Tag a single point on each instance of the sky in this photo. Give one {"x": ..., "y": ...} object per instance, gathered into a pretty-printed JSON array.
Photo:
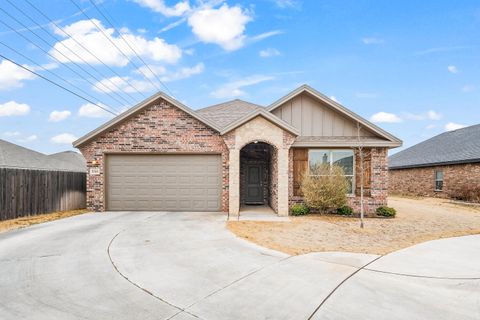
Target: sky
[{"x": 412, "y": 67}]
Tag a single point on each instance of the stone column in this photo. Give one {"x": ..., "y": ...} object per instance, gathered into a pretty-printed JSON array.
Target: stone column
[
  {"x": 234, "y": 183},
  {"x": 282, "y": 182}
]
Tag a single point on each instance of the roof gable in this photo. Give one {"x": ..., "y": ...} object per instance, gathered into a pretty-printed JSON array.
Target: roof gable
[{"x": 225, "y": 113}]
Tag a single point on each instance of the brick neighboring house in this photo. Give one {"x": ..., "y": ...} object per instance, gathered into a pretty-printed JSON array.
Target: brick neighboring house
[
  {"x": 447, "y": 165},
  {"x": 161, "y": 155}
]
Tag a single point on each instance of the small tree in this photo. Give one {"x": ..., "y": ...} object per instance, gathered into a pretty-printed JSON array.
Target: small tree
[{"x": 325, "y": 188}]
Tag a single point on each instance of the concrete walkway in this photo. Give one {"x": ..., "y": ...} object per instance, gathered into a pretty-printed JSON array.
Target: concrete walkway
[{"x": 188, "y": 266}]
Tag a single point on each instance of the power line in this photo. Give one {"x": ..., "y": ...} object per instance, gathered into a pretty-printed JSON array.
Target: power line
[
  {"x": 115, "y": 45},
  {"x": 128, "y": 44},
  {"x": 73, "y": 52},
  {"x": 50, "y": 55},
  {"x": 45, "y": 69},
  {"x": 82, "y": 46},
  {"x": 56, "y": 84}
]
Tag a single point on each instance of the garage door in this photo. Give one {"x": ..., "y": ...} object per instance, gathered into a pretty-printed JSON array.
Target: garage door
[{"x": 164, "y": 182}]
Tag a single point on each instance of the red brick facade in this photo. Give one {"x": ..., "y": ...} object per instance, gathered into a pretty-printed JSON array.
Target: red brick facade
[
  {"x": 159, "y": 128},
  {"x": 421, "y": 181}
]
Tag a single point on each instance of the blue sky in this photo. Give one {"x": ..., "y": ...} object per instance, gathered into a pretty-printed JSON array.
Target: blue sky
[{"x": 411, "y": 66}]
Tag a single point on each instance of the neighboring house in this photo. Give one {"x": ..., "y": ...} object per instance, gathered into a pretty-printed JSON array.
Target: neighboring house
[
  {"x": 162, "y": 155},
  {"x": 446, "y": 165}
]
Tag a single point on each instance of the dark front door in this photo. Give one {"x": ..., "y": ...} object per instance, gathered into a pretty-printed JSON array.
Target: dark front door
[{"x": 254, "y": 193}]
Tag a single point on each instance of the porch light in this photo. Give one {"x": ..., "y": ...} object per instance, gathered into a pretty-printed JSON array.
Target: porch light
[{"x": 256, "y": 141}]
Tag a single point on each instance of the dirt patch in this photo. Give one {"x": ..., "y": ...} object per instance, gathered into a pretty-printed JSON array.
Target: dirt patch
[
  {"x": 28, "y": 221},
  {"x": 417, "y": 220}
]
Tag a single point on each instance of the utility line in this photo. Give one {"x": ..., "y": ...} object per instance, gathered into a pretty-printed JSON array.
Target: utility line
[
  {"x": 56, "y": 84},
  {"x": 115, "y": 45},
  {"x": 127, "y": 43},
  {"x": 73, "y": 52},
  {"x": 83, "y": 47}
]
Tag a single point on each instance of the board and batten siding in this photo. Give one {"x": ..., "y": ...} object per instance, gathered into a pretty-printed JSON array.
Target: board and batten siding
[{"x": 313, "y": 118}]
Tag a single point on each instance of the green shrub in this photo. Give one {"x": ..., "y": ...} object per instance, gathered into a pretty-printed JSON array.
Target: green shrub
[
  {"x": 345, "y": 211},
  {"x": 385, "y": 211},
  {"x": 300, "y": 209}
]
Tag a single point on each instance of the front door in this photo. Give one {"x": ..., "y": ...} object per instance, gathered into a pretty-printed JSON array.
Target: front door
[{"x": 254, "y": 192}]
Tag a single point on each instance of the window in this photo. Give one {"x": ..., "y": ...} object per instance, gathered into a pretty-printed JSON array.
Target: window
[
  {"x": 438, "y": 180},
  {"x": 342, "y": 158}
]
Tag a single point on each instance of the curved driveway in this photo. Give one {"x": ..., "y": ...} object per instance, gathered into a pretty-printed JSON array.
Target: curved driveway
[{"x": 188, "y": 266}]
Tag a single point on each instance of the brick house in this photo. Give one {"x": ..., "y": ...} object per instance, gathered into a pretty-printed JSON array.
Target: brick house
[
  {"x": 447, "y": 166},
  {"x": 161, "y": 155}
]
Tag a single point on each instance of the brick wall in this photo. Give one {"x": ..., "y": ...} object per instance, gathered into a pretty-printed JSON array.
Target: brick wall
[
  {"x": 159, "y": 128},
  {"x": 421, "y": 181}
]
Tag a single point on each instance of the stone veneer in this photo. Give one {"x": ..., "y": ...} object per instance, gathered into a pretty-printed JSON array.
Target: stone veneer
[{"x": 421, "y": 181}]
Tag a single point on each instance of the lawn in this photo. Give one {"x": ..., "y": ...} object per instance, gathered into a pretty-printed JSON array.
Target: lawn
[
  {"x": 30, "y": 220},
  {"x": 417, "y": 220}
]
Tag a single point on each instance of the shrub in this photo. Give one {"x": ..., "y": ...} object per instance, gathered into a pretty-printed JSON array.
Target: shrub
[
  {"x": 469, "y": 193},
  {"x": 385, "y": 211},
  {"x": 300, "y": 209},
  {"x": 345, "y": 211},
  {"x": 325, "y": 189}
]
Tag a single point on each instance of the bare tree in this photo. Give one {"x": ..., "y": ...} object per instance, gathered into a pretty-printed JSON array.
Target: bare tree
[{"x": 361, "y": 154}]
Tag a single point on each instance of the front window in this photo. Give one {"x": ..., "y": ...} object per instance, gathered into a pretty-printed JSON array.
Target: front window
[
  {"x": 438, "y": 180},
  {"x": 341, "y": 158}
]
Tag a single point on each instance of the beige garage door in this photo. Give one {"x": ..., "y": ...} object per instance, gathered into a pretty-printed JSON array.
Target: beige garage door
[{"x": 164, "y": 182}]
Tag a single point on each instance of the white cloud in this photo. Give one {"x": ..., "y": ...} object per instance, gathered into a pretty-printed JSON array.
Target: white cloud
[
  {"x": 265, "y": 35},
  {"x": 452, "y": 69},
  {"x": 429, "y": 115},
  {"x": 385, "y": 117},
  {"x": 119, "y": 84},
  {"x": 372, "y": 40},
  {"x": 56, "y": 116},
  {"x": 12, "y": 76},
  {"x": 165, "y": 76},
  {"x": 234, "y": 89},
  {"x": 224, "y": 26},
  {"x": 86, "y": 33},
  {"x": 468, "y": 88},
  {"x": 92, "y": 111},
  {"x": 13, "y": 108},
  {"x": 454, "y": 126},
  {"x": 63, "y": 138},
  {"x": 30, "y": 138},
  {"x": 433, "y": 115},
  {"x": 333, "y": 98},
  {"x": 11, "y": 133},
  {"x": 270, "y": 52},
  {"x": 159, "y": 6},
  {"x": 286, "y": 3}
]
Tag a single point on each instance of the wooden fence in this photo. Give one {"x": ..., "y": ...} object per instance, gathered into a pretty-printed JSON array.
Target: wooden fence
[{"x": 25, "y": 192}]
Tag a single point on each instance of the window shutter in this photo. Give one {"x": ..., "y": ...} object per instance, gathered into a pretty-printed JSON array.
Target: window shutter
[
  {"x": 300, "y": 165},
  {"x": 367, "y": 172}
]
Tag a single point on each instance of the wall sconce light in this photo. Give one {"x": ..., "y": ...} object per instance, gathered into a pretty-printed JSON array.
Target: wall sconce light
[{"x": 95, "y": 162}]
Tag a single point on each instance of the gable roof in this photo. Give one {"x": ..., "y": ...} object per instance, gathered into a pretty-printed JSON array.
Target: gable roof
[
  {"x": 452, "y": 147},
  {"x": 225, "y": 113},
  {"x": 139, "y": 107},
  {"x": 338, "y": 107},
  {"x": 15, "y": 156}
]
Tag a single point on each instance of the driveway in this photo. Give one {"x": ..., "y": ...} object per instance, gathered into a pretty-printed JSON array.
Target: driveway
[{"x": 188, "y": 266}]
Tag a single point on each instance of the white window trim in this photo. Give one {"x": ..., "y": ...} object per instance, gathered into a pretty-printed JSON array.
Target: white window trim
[{"x": 352, "y": 194}]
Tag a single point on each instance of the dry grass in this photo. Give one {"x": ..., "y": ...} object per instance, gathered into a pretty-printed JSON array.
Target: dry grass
[
  {"x": 31, "y": 220},
  {"x": 417, "y": 220}
]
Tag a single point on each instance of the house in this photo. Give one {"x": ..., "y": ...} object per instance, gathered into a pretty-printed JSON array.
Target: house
[
  {"x": 446, "y": 165},
  {"x": 162, "y": 155}
]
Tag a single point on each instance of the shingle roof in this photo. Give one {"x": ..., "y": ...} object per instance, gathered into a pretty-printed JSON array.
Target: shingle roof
[
  {"x": 15, "y": 156},
  {"x": 226, "y": 113},
  {"x": 458, "y": 146}
]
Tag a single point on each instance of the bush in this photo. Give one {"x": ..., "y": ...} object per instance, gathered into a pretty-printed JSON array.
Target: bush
[
  {"x": 466, "y": 193},
  {"x": 385, "y": 211},
  {"x": 326, "y": 189},
  {"x": 345, "y": 211},
  {"x": 300, "y": 209}
]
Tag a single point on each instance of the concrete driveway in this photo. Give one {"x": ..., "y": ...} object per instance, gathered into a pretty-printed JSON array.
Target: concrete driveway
[{"x": 188, "y": 266}]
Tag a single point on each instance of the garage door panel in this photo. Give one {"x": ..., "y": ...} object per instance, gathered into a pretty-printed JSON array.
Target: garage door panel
[{"x": 164, "y": 182}]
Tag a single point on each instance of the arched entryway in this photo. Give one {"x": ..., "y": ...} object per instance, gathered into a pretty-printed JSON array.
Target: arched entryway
[{"x": 258, "y": 175}]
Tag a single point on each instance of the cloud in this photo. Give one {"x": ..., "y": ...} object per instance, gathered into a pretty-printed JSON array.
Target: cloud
[
  {"x": 372, "y": 40},
  {"x": 91, "y": 37},
  {"x": 11, "y": 133},
  {"x": 468, "y": 88},
  {"x": 429, "y": 115},
  {"x": 441, "y": 49},
  {"x": 165, "y": 76},
  {"x": 270, "y": 52},
  {"x": 265, "y": 35},
  {"x": 234, "y": 89},
  {"x": 30, "y": 138},
  {"x": 92, "y": 111},
  {"x": 56, "y": 116},
  {"x": 333, "y": 98},
  {"x": 433, "y": 115},
  {"x": 123, "y": 84},
  {"x": 385, "y": 117},
  {"x": 287, "y": 3},
  {"x": 12, "y": 76},
  {"x": 454, "y": 126},
  {"x": 179, "y": 9},
  {"x": 13, "y": 108},
  {"x": 224, "y": 26},
  {"x": 63, "y": 138},
  {"x": 452, "y": 69}
]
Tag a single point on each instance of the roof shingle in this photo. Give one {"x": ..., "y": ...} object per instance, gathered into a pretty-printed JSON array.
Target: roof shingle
[{"x": 223, "y": 114}]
